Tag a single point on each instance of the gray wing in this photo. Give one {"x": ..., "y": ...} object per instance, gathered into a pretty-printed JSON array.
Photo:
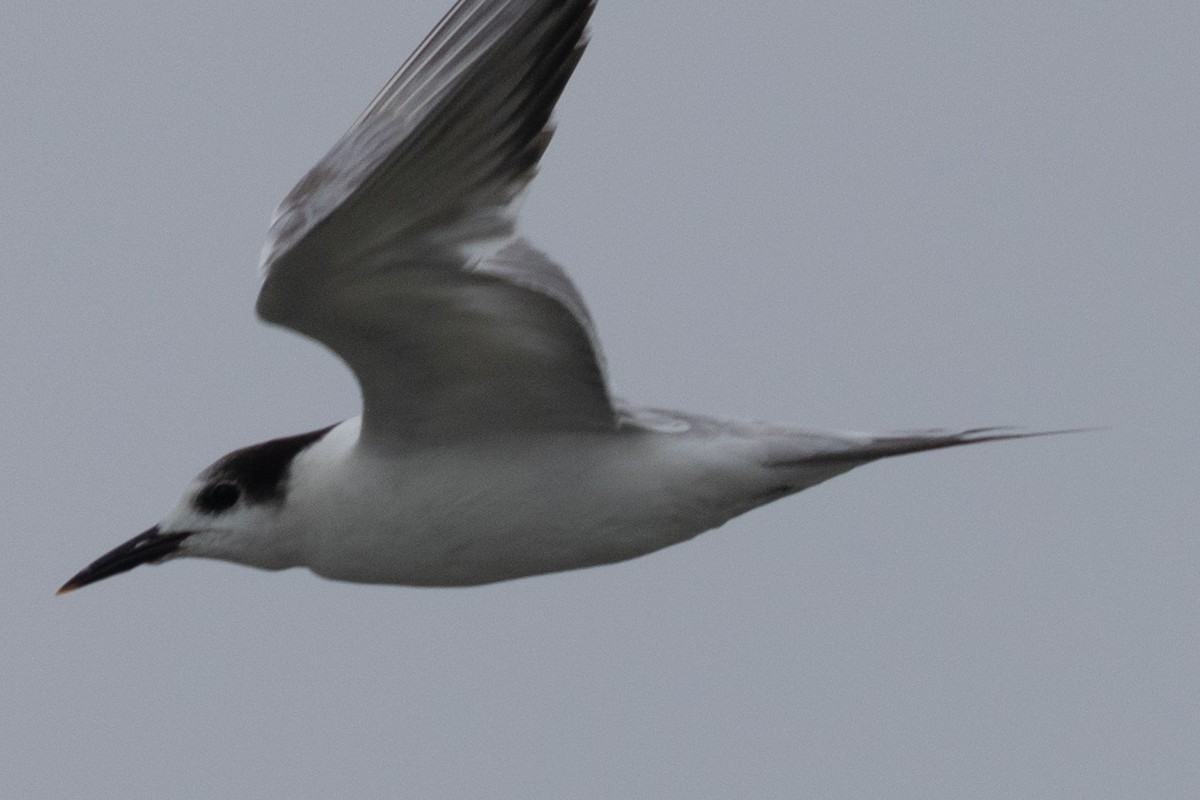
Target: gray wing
[{"x": 398, "y": 250}]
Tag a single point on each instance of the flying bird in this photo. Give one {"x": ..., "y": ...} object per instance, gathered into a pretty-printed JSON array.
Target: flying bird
[{"x": 489, "y": 446}]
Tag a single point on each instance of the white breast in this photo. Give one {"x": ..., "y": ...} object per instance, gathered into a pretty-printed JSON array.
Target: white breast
[{"x": 508, "y": 506}]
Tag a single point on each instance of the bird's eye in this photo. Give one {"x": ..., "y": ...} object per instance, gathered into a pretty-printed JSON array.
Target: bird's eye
[{"x": 217, "y": 497}]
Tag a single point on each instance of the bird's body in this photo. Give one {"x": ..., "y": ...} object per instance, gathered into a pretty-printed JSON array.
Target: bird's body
[
  {"x": 489, "y": 445},
  {"x": 505, "y": 506}
]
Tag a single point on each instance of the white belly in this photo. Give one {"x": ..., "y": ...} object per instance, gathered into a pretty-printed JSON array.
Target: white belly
[{"x": 529, "y": 504}]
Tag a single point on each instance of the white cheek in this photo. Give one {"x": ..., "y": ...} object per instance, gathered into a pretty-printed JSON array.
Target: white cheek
[{"x": 244, "y": 535}]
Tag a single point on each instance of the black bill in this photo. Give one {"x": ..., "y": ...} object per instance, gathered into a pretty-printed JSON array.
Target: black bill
[{"x": 146, "y": 547}]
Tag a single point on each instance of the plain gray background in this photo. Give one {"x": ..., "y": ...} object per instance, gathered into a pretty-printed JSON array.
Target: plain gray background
[{"x": 843, "y": 215}]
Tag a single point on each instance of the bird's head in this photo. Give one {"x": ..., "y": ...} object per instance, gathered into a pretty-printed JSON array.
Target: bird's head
[{"x": 231, "y": 512}]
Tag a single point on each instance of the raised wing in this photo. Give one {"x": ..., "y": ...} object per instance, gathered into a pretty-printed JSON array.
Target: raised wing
[{"x": 398, "y": 250}]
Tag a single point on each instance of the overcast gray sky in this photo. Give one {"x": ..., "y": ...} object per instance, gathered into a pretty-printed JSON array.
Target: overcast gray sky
[{"x": 840, "y": 215}]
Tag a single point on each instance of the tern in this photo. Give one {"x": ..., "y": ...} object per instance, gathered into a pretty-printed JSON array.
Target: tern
[{"x": 489, "y": 446}]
